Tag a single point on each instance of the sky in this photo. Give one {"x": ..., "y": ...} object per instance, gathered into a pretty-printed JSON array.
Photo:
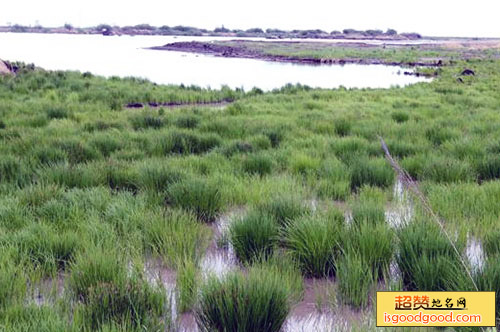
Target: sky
[{"x": 456, "y": 18}]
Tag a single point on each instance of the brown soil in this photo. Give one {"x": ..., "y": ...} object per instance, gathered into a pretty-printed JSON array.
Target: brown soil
[{"x": 221, "y": 103}]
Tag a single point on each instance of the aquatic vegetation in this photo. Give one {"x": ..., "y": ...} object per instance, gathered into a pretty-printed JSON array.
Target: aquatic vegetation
[
  {"x": 258, "y": 301},
  {"x": 291, "y": 184},
  {"x": 254, "y": 236},
  {"x": 197, "y": 196},
  {"x": 315, "y": 243}
]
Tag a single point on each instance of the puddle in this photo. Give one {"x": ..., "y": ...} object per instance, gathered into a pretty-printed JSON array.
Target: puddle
[
  {"x": 46, "y": 291},
  {"x": 156, "y": 273},
  {"x": 475, "y": 253},
  {"x": 220, "y": 257},
  {"x": 400, "y": 212}
]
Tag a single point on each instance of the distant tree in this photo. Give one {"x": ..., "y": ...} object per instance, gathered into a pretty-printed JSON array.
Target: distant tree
[
  {"x": 373, "y": 32},
  {"x": 391, "y": 32},
  {"x": 18, "y": 28},
  {"x": 275, "y": 31},
  {"x": 335, "y": 32},
  {"x": 68, "y": 26},
  {"x": 255, "y": 30},
  {"x": 222, "y": 29},
  {"x": 349, "y": 31},
  {"x": 144, "y": 27}
]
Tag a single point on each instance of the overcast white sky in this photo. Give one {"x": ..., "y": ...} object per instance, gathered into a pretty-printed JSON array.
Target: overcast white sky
[{"x": 478, "y": 18}]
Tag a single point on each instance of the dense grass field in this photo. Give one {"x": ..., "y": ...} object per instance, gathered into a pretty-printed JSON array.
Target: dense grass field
[{"x": 92, "y": 194}]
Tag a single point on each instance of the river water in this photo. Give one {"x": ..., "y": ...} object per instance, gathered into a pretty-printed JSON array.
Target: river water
[{"x": 127, "y": 56}]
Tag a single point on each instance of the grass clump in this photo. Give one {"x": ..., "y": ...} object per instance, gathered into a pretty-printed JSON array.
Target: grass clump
[
  {"x": 314, "y": 242},
  {"x": 147, "y": 121},
  {"x": 372, "y": 172},
  {"x": 285, "y": 208},
  {"x": 187, "y": 280},
  {"x": 258, "y": 301},
  {"x": 489, "y": 168},
  {"x": 133, "y": 305},
  {"x": 176, "y": 236},
  {"x": 375, "y": 245},
  {"x": 400, "y": 116},
  {"x": 187, "y": 121},
  {"x": 427, "y": 260},
  {"x": 188, "y": 143},
  {"x": 157, "y": 177},
  {"x": 355, "y": 280},
  {"x": 253, "y": 236},
  {"x": 198, "y": 196},
  {"x": 258, "y": 164},
  {"x": 342, "y": 127},
  {"x": 12, "y": 281}
]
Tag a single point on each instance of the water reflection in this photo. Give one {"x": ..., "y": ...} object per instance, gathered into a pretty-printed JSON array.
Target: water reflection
[{"x": 126, "y": 56}]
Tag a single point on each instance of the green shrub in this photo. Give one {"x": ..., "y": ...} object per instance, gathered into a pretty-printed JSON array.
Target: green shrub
[
  {"x": 315, "y": 243},
  {"x": 258, "y": 164},
  {"x": 253, "y": 236},
  {"x": 258, "y": 301},
  {"x": 197, "y": 196}
]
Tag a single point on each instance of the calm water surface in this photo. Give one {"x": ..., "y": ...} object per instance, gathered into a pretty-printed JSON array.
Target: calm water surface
[{"x": 126, "y": 56}]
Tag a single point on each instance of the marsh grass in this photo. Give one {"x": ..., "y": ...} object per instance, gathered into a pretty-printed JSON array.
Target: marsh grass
[
  {"x": 12, "y": 281},
  {"x": 133, "y": 305},
  {"x": 187, "y": 281},
  {"x": 43, "y": 248},
  {"x": 354, "y": 280},
  {"x": 254, "y": 236},
  {"x": 257, "y": 164},
  {"x": 177, "y": 237},
  {"x": 197, "y": 196},
  {"x": 375, "y": 244},
  {"x": 258, "y": 301},
  {"x": 428, "y": 261},
  {"x": 372, "y": 172},
  {"x": 315, "y": 243},
  {"x": 285, "y": 208}
]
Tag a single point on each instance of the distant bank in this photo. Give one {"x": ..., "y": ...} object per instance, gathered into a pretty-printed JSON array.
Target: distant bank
[{"x": 146, "y": 29}]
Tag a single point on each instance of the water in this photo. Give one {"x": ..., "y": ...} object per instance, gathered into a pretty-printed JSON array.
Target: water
[{"x": 126, "y": 56}]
